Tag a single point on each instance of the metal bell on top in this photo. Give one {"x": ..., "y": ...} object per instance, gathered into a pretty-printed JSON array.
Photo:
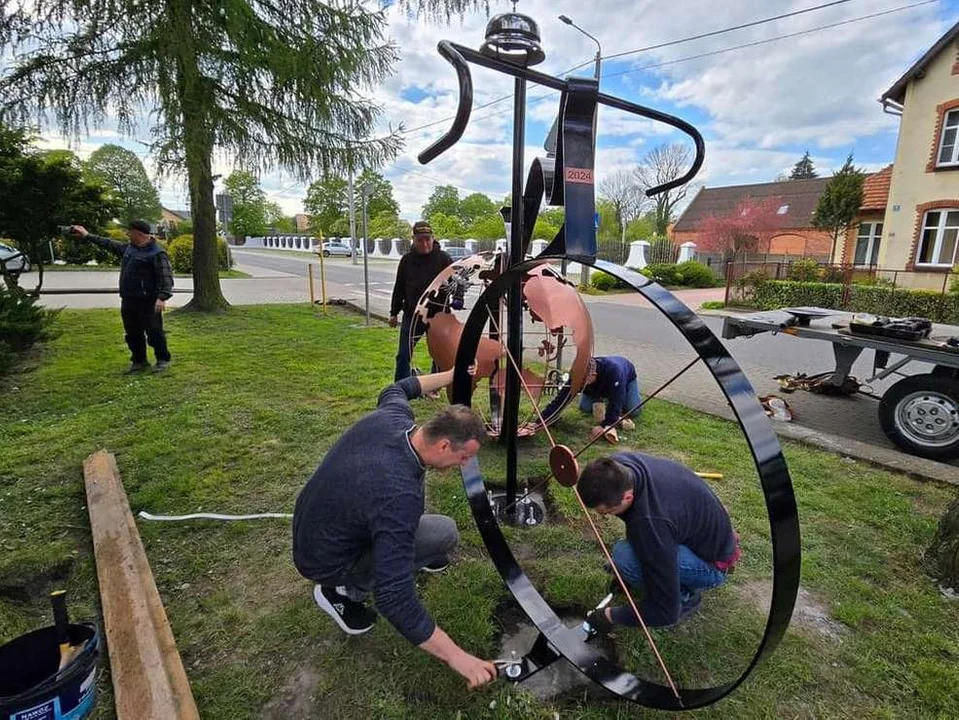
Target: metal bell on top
[{"x": 515, "y": 38}]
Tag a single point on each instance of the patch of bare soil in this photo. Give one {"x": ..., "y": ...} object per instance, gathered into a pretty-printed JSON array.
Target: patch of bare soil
[
  {"x": 295, "y": 700},
  {"x": 809, "y": 612}
]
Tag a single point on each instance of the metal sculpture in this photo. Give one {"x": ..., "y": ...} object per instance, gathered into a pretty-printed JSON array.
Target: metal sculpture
[
  {"x": 549, "y": 299},
  {"x": 512, "y": 45}
]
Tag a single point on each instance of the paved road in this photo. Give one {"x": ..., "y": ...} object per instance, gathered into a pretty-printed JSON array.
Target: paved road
[{"x": 623, "y": 324}]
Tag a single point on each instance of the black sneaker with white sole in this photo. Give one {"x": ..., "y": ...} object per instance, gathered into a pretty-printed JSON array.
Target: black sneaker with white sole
[{"x": 353, "y": 617}]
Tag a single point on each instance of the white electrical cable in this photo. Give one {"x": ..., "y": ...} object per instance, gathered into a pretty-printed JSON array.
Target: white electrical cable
[{"x": 211, "y": 516}]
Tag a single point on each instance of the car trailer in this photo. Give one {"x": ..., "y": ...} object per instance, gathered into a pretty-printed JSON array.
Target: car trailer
[{"x": 919, "y": 413}]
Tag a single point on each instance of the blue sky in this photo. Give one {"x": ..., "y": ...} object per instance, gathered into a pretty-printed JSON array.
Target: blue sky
[{"x": 759, "y": 107}]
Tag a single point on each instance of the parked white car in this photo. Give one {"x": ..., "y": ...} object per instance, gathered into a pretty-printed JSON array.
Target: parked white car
[
  {"x": 336, "y": 249},
  {"x": 14, "y": 260}
]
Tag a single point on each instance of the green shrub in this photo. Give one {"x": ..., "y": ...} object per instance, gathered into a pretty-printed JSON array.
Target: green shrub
[
  {"x": 696, "y": 275},
  {"x": 180, "y": 251},
  {"x": 181, "y": 254},
  {"x": 954, "y": 281},
  {"x": 713, "y": 305},
  {"x": 222, "y": 254},
  {"x": 79, "y": 251},
  {"x": 663, "y": 273},
  {"x": 22, "y": 323},
  {"x": 804, "y": 270},
  {"x": 834, "y": 274},
  {"x": 875, "y": 299},
  {"x": 773, "y": 294},
  {"x": 603, "y": 281}
]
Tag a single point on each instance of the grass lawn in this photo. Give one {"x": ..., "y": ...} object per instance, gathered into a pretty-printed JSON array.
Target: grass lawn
[{"x": 254, "y": 398}]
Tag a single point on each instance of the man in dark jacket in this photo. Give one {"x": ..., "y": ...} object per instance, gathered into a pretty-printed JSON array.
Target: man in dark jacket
[
  {"x": 415, "y": 272},
  {"x": 679, "y": 538},
  {"x": 358, "y": 524},
  {"x": 146, "y": 283}
]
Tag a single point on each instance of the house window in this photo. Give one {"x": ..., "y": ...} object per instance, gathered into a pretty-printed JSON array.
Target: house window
[
  {"x": 867, "y": 244},
  {"x": 949, "y": 142},
  {"x": 937, "y": 246}
]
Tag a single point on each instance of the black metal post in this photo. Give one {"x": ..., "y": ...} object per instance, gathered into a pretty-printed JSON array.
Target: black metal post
[{"x": 514, "y": 308}]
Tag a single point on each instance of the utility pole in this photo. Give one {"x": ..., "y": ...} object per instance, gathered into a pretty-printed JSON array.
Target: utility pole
[
  {"x": 353, "y": 223},
  {"x": 367, "y": 191}
]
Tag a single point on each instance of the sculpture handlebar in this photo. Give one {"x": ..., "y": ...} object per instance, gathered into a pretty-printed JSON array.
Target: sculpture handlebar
[{"x": 459, "y": 57}]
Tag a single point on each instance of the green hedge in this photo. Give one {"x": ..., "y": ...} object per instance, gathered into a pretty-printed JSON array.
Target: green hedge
[
  {"x": 180, "y": 251},
  {"x": 895, "y": 302},
  {"x": 688, "y": 274},
  {"x": 604, "y": 281}
]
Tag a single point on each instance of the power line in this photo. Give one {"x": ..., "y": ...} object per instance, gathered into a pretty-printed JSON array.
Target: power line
[
  {"x": 774, "y": 39},
  {"x": 669, "y": 43},
  {"x": 550, "y": 93},
  {"x": 436, "y": 179},
  {"x": 713, "y": 33}
]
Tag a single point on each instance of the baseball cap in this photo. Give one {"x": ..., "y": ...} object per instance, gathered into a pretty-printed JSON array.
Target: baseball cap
[
  {"x": 421, "y": 227},
  {"x": 141, "y": 225}
]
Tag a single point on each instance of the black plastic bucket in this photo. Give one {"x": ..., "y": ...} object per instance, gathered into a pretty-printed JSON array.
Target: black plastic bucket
[{"x": 30, "y": 686}]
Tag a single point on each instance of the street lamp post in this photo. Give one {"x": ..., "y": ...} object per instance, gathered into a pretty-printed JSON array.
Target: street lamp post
[
  {"x": 584, "y": 270},
  {"x": 367, "y": 191}
]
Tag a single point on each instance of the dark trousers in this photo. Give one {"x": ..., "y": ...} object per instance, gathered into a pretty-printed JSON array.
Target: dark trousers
[
  {"x": 142, "y": 324},
  {"x": 409, "y": 336},
  {"x": 436, "y": 536}
]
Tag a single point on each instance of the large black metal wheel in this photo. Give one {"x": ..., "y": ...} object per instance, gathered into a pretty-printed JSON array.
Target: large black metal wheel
[{"x": 773, "y": 476}]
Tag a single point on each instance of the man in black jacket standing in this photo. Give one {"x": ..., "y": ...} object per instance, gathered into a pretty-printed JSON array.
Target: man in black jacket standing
[
  {"x": 146, "y": 283},
  {"x": 415, "y": 272}
]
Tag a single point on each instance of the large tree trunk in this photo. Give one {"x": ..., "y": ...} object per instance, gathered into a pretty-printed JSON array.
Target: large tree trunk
[
  {"x": 198, "y": 138},
  {"x": 942, "y": 556},
  {"x": 207, "y": 295}
]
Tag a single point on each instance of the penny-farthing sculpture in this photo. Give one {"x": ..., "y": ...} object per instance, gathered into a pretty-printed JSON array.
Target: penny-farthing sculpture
[{"x": 566, "y": 178}]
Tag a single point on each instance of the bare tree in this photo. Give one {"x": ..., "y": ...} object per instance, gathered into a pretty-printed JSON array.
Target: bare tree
[
  {"x": 622, "y": 191},
  {"x": 662, "y": 164}
]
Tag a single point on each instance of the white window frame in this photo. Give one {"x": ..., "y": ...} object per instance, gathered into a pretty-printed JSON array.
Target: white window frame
[
  {"x": 954, "y": 160},
  {"x": 874, "y": 236},
  {"x": 937, "y": 244}
]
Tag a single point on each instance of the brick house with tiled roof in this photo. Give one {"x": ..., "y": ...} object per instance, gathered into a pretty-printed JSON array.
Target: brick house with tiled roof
[
  {"x": 921, "y": 221},
  {"x": 793, "y": 234}
]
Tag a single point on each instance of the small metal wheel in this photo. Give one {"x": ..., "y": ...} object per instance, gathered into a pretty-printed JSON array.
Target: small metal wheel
[{"x": 921, "y": 415}]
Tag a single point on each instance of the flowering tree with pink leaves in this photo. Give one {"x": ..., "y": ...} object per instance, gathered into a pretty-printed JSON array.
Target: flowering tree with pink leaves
[{"x": 747, "y": 228}]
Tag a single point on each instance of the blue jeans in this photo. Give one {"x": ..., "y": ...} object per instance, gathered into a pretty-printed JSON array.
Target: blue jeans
[
  {"x": 694, "y": 573},
  {"x": 404, "y": 351},
  {"x": 632, "y": 400}
]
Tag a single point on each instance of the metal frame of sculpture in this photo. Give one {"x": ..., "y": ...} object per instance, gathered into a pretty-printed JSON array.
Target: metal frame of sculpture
[{"x": 512, "y": 45}]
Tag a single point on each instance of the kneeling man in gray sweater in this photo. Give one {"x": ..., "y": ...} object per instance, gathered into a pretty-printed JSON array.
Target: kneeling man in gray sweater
[{"x": 359, "y": 525}]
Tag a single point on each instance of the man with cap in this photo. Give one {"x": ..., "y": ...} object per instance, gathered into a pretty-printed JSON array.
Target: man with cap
[
  {"x": 146, "y": 283},
  {"x": 415, "y": 272}
]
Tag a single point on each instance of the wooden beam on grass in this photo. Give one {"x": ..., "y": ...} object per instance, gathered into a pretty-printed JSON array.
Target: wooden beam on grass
[{"x": 148, "y": 676}]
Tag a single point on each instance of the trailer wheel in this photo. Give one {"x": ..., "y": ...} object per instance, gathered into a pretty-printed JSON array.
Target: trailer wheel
[{"x": 921, "y": 415}]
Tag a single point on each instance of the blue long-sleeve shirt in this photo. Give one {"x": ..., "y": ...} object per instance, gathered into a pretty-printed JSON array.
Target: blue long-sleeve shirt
[
  {"x": 613, "y": 376},
  {"x": 672, "y": 506},
  {"x": 367, "y": 496}
]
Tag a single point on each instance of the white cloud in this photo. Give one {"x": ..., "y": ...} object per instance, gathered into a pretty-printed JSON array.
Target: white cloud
[{"x": 755, "y": 105}]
